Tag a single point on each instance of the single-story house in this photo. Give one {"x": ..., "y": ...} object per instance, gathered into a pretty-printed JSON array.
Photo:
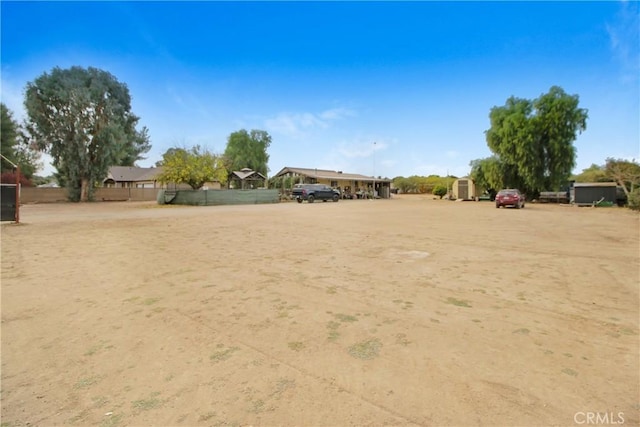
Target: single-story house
[
  {"x": 132, "y": 177},
  {"x": 348, "y": 183},
  {"x": 465, "y": 189},
  {"x": 135, "y": 177}
]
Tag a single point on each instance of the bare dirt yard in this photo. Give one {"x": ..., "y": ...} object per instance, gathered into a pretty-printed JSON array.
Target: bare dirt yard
[{"x": 409, "y": 311}]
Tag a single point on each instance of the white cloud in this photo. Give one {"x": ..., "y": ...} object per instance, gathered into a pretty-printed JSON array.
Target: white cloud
[
  {"x": 285, "y": 123},
  {"x": 188, "y": 102},
  {"x": 625, "y": 42},
  {"x": 296, "y": 124},
  {"x": 173, "y": 94},
  {"x": 360, "y": 148},
  {"x": 336, "y": 114},
  {"x": 12, "y": 96},
  {"x": 388, "y": 163}
]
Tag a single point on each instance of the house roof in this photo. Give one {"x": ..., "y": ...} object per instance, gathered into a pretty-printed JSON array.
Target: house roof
[
  {"x": 329, "y": 174},
  {"x": 247, "y": 173},
  {"x": 595, "y": 184},
  {"x": 132, "y": 174}
]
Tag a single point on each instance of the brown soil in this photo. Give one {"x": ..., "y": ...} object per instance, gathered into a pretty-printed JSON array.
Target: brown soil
[{"x": 403, "y": 311}]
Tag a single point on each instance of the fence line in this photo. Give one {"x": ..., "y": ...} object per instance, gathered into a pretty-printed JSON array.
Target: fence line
[
  {"x": 196, "y": 197},
  {"x": 53, "y": 195}
]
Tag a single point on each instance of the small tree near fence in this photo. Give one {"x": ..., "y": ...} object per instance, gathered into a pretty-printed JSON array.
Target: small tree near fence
[{"x": 194, "y": 167}]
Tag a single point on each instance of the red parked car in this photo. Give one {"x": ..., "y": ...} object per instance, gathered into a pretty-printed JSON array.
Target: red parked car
[{"x": 510, "y": 197}]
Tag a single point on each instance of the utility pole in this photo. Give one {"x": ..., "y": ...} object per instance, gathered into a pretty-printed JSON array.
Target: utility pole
[{"x": 374, "y": 169}]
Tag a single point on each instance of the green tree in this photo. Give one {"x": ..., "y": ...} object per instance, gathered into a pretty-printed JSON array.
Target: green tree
[
  {"x": 633, "y": 200},
  {"x": 431, "y": 182},
  {"x": 40, "y": 180},
  {"x": 489, "y": 173},
  {"x": 593, "y": 173},
  {"x": 415, "y": 184},
  {"x": 14, "y": 146},
  {"x": 403, "y": 184},
  {"x": 83, "y": 119},
  {"x": 167, "y": 153},
  {"x": 440, "y": 190},
  {"x": 421, "y": 184},
  {"x": 625, "y": 172},
  {"x": 193, "y": 167},
  {"x": 247, "y": 150},
  {"x": 282, "y": 183},
  {"x": 533, "y": 139},
  {"x": 28, "y": 159},
  {"x": 8, "y": 137}
]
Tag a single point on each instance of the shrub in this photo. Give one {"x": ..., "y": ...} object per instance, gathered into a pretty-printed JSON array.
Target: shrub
[
  {"x": 440, "y": 190},
  {"x": 634, "y": 200},
  {"x": 10, "y": 178}
]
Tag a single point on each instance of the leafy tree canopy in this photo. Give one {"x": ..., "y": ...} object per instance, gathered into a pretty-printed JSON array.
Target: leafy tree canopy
[
  {"x": 440, "y": 190},
  {"x": 487, "y": 173},
  {"x": 194, "y": 167},
  {"x": 625, "y": 172},
  {"x": 8, "y": 137},
  {"x": 422, "y": 184},
  {"x": 533, "y": 139},
  {"x": 83, "y": 119},
  {"x": 14, "y": 146},
  {"x": 594, "y": 173},
  {"x": 248, "y": 150}
]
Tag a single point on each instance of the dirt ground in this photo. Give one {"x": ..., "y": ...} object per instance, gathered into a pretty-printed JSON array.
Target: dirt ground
[{"x": 409, "y": 311}]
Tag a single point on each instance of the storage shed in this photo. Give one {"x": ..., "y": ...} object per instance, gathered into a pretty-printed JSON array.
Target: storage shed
[
  {"x": 589, "y": 193},
  {"x": 464, "y": 189}
]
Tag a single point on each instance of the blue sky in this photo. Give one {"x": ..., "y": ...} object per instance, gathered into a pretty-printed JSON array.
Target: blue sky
[{"x": 384, "y": 88}]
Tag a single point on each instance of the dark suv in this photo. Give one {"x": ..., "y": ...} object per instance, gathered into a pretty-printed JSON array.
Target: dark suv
[{"x": 312, "y": 192}]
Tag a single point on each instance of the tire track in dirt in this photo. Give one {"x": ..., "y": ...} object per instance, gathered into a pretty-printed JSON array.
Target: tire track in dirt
[{"x": 308, "y": 374}]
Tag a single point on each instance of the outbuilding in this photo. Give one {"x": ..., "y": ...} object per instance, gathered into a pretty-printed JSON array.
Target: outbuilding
[
  {"x": 247, "y": 178},
  {"x": 591, "y": 193},
  {"x": 464, "y": 189}
]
